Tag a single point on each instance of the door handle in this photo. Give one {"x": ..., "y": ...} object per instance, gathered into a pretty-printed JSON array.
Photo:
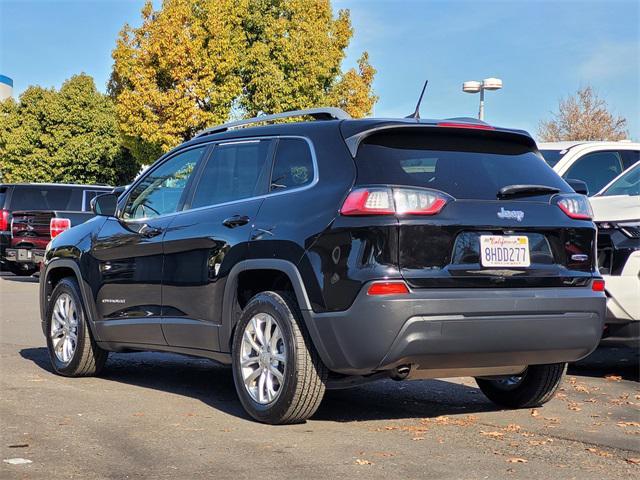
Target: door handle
[
  {"x": 236, "y": 221},
  {"x": 149, "y": 232}
]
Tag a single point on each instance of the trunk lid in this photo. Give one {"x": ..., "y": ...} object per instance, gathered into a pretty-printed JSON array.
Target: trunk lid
[{"x": 471, "y": 167}]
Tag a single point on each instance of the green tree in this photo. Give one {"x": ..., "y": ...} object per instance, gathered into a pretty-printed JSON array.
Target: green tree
[
  {"x": 70, "y": 135},
  {"x": 193, "y": 64}
]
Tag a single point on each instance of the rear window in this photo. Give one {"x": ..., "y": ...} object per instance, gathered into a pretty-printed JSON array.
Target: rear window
[
  {"x": 43, "y": 198},
  {"x": 3, "y": 196},
  {"x": 463, "y": 166}
]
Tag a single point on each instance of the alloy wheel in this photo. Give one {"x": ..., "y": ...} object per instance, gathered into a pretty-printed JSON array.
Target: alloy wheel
[
  {"x": 263, "y": 358},
  {"x": 64, "y": 328}
]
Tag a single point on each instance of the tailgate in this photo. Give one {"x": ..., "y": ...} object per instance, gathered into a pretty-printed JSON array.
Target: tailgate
[
  {"x": 30, "y": 229},
  {"x": 446, "y": 249}
]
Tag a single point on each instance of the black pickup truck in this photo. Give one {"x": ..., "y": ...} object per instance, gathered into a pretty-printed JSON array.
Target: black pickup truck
[{"x": 32, "y": 214}]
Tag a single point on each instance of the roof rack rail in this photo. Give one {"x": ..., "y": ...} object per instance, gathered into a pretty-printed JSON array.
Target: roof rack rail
[{"x": 322, "y": 113}]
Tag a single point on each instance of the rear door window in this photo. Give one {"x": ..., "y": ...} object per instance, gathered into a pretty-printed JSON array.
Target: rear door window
[
  {"x": 234, "y": 171},
  {"x": 293, "y": 166},
  {"x": 464, "y": 166},
  {"x": 3, "y": 196},
  {"x": 596, "y": 169}
]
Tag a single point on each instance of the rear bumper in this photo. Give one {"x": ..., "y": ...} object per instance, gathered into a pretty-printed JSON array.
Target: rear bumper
[
  {"x": 460, "y": 328},
  {"x": 18, "y": 255}
]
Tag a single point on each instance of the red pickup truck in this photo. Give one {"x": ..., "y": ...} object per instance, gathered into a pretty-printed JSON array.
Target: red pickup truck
[{"x": 33, "y": 214}]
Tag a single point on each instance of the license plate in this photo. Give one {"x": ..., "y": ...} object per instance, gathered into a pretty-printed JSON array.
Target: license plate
[
  {"x": 504, "y": 251},
  {"x": 24, "y": 254}
]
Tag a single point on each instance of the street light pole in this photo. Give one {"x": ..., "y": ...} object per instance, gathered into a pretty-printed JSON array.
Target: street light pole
[{"x": 474, "y": 86}]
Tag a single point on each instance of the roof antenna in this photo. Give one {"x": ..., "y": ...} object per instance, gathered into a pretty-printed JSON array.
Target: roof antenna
[{"x": 416, "y": 113}]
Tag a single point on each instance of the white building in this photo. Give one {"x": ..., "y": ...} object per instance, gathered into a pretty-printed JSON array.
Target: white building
[{"x": 6, "y": 87}]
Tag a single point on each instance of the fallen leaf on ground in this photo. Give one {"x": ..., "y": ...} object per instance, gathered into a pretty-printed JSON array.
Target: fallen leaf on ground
[
  {"x": 517, "y": 460},
  {"x": 417, "y": 438},
  {"x": 384, "y": 454},
  {"x": 492, "y": 434},
  {"x": 512, "y": 427},
  {"x": 574, "y": 407},
  {"x": 581, "y": 388},
  {"x": 628, "y": 424},
  {"x": 634, "y": 461},
  {"x": 363, "y": 462},
  {"x": 535, "y": 412},
  {"x": 600, "y": 453},
  {"x": 613, "y": 378}
]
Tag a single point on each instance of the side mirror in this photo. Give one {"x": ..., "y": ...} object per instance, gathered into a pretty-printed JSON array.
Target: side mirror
[
  {"x": 578, "y": 186},
  {"x": 105, "y": 205},
  {"x": 117, "y": 191}
]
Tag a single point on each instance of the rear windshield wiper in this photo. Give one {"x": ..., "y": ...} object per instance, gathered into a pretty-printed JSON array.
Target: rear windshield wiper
[{"x": 516, "y": 190}]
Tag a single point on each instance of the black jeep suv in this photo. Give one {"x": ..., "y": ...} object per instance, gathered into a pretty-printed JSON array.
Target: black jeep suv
[{"x": 327, "y": 253}]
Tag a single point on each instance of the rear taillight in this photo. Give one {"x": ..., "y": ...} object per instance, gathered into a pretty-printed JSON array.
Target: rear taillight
[
  {"x": 4, "y": 220},
  {"x": 575, "y": 206},
  {"x": 58, "y": 225},
  {"x": 473, "y": 126},
  {"x": 597, "y": 286},
  {"x": 389, "y": 201},
  {"x": 388, "y": 288}
]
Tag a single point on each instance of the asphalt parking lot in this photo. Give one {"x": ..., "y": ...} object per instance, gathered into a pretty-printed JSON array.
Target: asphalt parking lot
[{"x": 166, "y": 416}]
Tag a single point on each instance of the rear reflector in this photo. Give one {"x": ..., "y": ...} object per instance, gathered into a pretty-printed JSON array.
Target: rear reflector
[
  {"x": 4, "y": 220},
  {"x": 388, "y": 288},
  {"x": 389, "y": 201},
  {"x": 575, "y": 206},
  {"x": 597, "y": 286},
  {"x": 474, "y": 126},
  {"x": 58, "y": 225}
]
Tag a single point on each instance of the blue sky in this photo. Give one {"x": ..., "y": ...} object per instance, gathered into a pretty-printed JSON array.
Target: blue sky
[{"x": 542, "y": 50}]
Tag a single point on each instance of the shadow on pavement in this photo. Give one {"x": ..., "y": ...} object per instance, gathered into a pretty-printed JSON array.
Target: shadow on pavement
[
  {"x": 10, "y": 277},
  {"x": 213, "y": 385},
  {"x": 624, "y": 362}
]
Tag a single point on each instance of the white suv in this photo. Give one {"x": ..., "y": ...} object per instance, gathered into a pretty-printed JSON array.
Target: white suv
[
  {"x": 595, "y": 163},
  {"x": 616, "y": 211}
]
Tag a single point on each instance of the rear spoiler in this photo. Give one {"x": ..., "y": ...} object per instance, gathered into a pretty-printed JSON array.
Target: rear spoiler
[{"x": 478, "y": 128}]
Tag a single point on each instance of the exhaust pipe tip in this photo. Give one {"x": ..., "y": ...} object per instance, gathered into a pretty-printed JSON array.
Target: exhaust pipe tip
[{"x": 401, "y": 372}]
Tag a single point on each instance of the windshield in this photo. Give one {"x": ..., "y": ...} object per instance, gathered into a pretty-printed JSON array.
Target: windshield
[
  {"x": 627, "y": 184},
  {"x": 552, "y": 156},
  {"x": 464, "y": 167}
]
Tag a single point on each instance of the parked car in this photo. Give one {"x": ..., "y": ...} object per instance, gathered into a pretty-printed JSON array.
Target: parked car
[
  {"x": 595, "y": 163},
  {"x": 31, "y": 213},
  {"x": 617, "y": 214},
  {"x": 328, "y": 253}
]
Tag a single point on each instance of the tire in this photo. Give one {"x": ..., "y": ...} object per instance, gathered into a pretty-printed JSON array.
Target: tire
[
  {"x": 303, "y": 374},
  {"x": 86, "y": 358},
  {"x": 535, "y": 387},
  {"x": 21, "y": 269}
]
